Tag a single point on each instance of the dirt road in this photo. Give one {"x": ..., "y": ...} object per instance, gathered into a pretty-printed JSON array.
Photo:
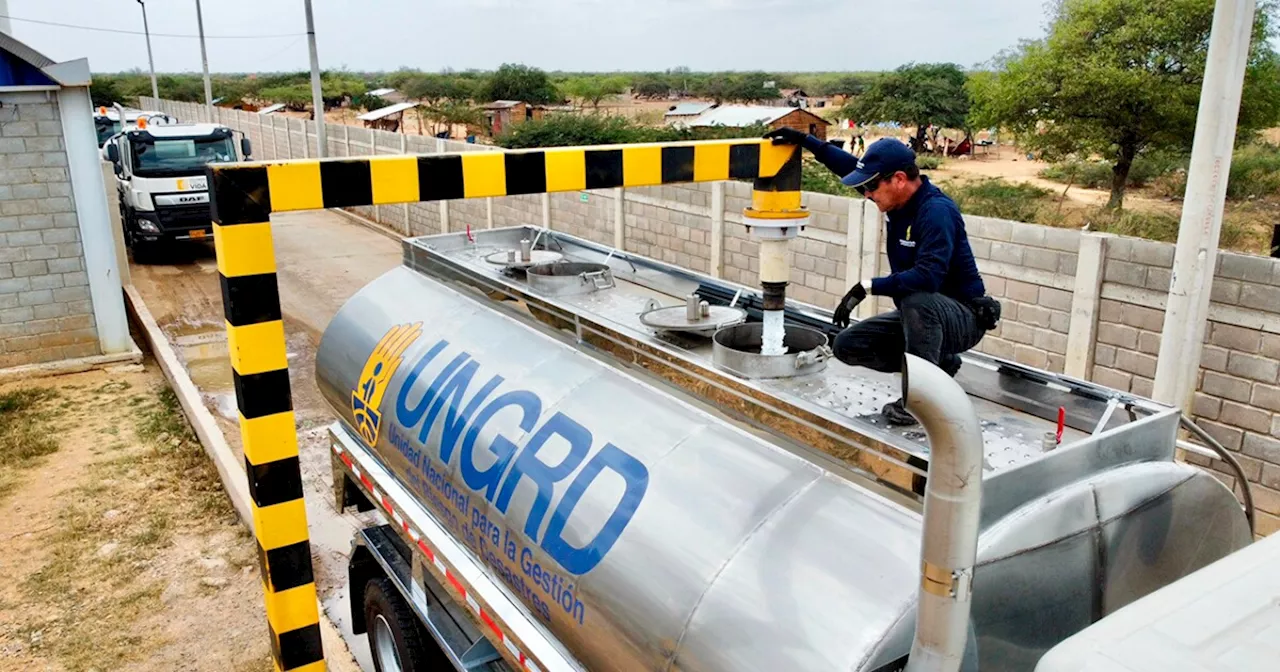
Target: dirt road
[{"x": 323, "y": 258}]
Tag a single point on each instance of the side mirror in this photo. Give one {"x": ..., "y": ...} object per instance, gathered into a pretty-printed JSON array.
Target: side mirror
[
  {"x": 118, "y": 168},
  {"x": 246, "y": 147},
  {"x": 113, "y": 155}
]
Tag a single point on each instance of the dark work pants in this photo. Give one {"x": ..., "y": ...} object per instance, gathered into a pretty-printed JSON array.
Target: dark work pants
[{"x": 933, "y": 327}]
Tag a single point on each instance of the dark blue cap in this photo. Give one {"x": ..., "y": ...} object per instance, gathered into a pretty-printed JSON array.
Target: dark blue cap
[{"x": 885, "y": 156}]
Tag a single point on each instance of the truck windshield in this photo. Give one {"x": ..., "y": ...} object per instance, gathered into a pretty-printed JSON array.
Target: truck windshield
[
  {"x": 106, "y": 128},
  {"x": 169, "y": 157}
]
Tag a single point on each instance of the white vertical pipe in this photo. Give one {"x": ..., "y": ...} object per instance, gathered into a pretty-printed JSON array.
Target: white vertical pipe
[
  {"x": 952, "y": 503},
  {"x": 1182, "y": 340}
]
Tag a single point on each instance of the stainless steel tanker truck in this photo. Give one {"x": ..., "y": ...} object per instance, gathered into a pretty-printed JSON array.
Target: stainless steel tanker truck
[{"x": 580, "y": 460}]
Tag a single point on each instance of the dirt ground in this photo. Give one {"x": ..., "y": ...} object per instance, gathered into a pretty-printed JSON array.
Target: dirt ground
[{"x": 120, "y": 550}]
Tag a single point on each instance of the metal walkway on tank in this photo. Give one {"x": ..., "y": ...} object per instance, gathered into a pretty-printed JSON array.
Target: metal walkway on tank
[{"x": 836, "y": 411}]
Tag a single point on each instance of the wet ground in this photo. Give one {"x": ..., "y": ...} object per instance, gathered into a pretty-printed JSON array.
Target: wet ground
[{"x": 323, "y": 258}]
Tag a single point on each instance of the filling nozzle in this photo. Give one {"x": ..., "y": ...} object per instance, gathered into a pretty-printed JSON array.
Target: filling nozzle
[{"x": 774, "y": 218}]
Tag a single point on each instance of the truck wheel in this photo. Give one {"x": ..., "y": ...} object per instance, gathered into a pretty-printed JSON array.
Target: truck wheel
[
  {"x": 144, "y": 252},
  {"x": 396, "y": 638}
]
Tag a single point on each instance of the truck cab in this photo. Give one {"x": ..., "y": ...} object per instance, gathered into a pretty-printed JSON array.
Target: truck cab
[
  {"x": 160, "y": 178},
  {"x": 110, "y": 121}
]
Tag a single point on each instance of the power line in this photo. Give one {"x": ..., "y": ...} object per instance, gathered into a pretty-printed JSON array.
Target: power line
[{"x": 138, "y": 32}]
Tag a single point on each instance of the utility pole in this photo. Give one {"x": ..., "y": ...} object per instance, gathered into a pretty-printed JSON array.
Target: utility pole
[
  {"x": 204, "y": 60},
  {"x": 1201, "y": 225},
  {"x": 317, "y": 101},
  {"x": 5, "y": 26},
  {"x": 155, "y": 90}
]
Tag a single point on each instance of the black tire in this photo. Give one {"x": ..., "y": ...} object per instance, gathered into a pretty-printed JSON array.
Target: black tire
[
  {"x": 145, "y": 252},
  {"x": 416, "y": 650}
]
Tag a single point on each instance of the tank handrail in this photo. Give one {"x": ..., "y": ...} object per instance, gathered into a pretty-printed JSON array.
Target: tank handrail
[
  {"x": 952, "y": 511},
  {"x": 1226, "y": 456}
]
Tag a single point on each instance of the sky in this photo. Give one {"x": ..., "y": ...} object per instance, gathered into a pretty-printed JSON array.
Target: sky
[{"x": 579, "y": 35}]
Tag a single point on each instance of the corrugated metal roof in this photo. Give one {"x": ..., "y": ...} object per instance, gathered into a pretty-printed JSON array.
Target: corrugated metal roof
[
  {"x": 502, "y": 104},
  {"x": 385, "y": 111},
  {"x": 688, "y": 109},
  {"x": 12, "y": 45},
  {"x": 381, "y": 92},
  {"x": 271, "y": 108},
  {"x": 741, "y": 115}
]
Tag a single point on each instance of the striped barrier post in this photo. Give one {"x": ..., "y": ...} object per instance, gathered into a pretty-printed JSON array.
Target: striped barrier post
[
  {"x": 243, "y": 196},
  {"x": 256, "y": 343}
]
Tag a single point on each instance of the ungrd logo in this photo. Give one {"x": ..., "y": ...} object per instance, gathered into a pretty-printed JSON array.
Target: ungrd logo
[{"x": 378, "y": 369}]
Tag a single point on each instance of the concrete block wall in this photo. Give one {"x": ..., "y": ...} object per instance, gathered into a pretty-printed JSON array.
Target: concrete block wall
[
  {"x": 591, "y": 219},
  {"x": 1031, "y": 269},
  {"x": 1237, "y": 397},
  {"x": 45, "y": 310}
]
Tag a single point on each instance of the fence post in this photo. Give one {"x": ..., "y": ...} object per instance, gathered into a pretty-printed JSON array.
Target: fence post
[
  {"x": 1083, "y": 330},
  {"x": 872, "y": 227},
  {"x": 853, "y": 243},
  {"x": 404, "y": 149},
  {"x": 619, "y": 218},
  {"x": 717, "y": 229},
  {"x": 288, "y": 137},
  {"x": 488, "y": 211},
  {"x": 546, "y": 211},
  {"x": 346, "y": 138},
  {"x": 373, "y": 151},
  {"x": 275, "y": 143}
]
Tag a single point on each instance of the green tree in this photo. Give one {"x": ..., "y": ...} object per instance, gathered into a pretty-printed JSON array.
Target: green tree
[
  {"x": 451, "y": 111},
  {"x": 337, "y": 87},
  {"x": 593, "y": 89},
  {"x": 430, "y": 88},
  {"x": 295, "y": 96},
  {"x": 916, "y": 94},
  {"x": 519, "y": 82},
  {"x": 1120, "y": 77},
  {"x": 651, "y": 85},
  {"x": 752, "y": 87}
]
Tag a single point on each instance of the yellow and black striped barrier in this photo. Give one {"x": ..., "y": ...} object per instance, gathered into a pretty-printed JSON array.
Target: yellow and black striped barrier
[{"x": 243, "y": 197}]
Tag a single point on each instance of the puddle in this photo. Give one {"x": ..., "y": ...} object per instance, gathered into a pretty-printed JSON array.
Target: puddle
[
  {"x": 202, "y": 347},
  {"x": 223, "y": 404}
]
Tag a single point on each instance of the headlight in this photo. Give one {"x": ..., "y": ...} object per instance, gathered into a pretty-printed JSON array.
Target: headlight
[{"x": 148, "y": 225}]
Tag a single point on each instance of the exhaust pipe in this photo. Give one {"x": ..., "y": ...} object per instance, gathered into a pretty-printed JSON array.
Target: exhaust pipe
[{"x": 952, "y": 498}]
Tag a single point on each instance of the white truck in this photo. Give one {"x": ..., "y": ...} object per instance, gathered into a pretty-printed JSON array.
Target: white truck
[
  {"x": 160, "y": 178},
  {"x": 109, "y": 121}
]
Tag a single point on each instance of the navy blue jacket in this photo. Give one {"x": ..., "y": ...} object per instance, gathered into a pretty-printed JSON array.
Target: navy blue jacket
[{"x": 925, "y": 239}]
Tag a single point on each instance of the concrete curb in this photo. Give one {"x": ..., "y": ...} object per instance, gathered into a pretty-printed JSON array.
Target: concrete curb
[
  {"x": 66, "y": 366},
  {"x": 369, "y": 224},
  {"x": 228, "y": 462},
  {"x": 202, "y": 421}
]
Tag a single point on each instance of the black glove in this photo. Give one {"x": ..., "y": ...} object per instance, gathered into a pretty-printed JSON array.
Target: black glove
[
  {"x": 845, "y": 308},
  {"x": 786, "y": 136}
]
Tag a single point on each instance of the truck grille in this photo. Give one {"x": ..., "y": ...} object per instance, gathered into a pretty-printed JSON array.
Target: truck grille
[{"x": 184, "y": 217}]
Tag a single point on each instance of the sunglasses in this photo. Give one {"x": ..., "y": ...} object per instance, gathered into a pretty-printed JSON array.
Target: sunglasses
[{"x": 869, "y": 186}]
